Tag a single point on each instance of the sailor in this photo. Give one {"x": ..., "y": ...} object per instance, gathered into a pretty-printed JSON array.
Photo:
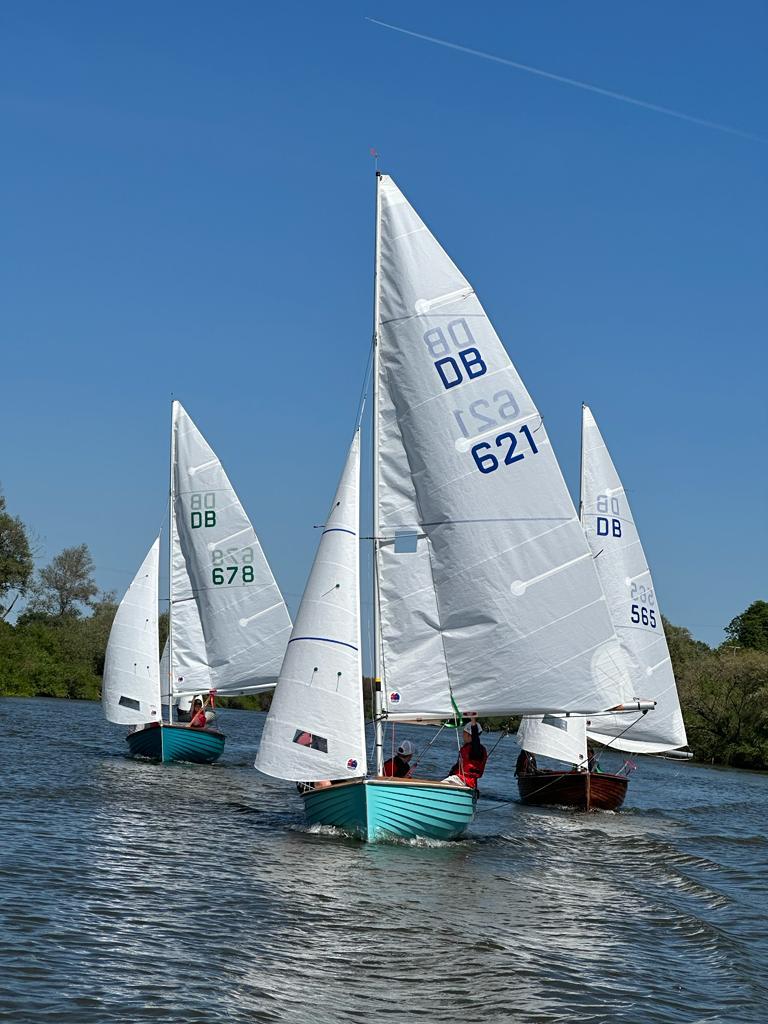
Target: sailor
[
  {"x": 526, "y": 764},
  {"x": 197, "y": 718},
  {"x": 399, "y": 766},
  {"x": 472, "y": 756}
]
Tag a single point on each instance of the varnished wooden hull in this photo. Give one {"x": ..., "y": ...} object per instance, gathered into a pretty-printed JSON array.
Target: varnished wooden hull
[{"x": 586, "y": 791}]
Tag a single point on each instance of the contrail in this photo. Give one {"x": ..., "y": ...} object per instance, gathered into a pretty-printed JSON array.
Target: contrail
[{"x": 579, "y": 85}]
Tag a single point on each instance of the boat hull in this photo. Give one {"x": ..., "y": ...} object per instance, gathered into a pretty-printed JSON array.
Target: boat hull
[
  {"x": 176, "y": 743},
  {"x": 586, "y": 791},
  {"x": 382, "y": 809}
]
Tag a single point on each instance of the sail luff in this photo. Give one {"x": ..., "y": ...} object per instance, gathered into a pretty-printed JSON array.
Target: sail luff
[
  {"x": 621, "y": 564},
  {"x": 378, "y": 702},
  {"x": 496, "y": 598},
  {"x": 171, "y": 544}
]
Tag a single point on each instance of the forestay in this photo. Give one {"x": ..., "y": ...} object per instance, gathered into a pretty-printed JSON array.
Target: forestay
[
  {"x": 564, "y": 739},
  {"x": 499, "y": 603},
  {"x": 315, "y": 727},
  {"x": 241, "y": 612},
  {"x": 130, "y": 691},
  {"x": 631, "y": 597}
]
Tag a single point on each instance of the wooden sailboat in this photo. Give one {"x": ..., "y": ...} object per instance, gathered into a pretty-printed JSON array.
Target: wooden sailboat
[
  {"x": 631, "y": 598},
  {"x": 228, "y": 623},
  {"x": 486, "y": 597}
]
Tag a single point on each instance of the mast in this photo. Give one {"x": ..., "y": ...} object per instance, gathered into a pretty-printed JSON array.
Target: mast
[
  {"x": 377, "y": 688},
  {"x": 170, "y": 565}
]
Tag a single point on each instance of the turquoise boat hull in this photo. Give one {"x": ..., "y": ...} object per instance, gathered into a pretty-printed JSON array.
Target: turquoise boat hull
[
  {"x": 382, "y": 809},
  {"x": 176, "y": 743}
]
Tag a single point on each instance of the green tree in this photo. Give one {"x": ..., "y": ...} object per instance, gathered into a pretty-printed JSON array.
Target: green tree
[
  {"x": 682, "y": 646},
  {"x": 750, "y": 629},
  {"x": 724, "y": 696},
  {"x": 66, "y": 586},
  {"x": 16, "y": 566}
]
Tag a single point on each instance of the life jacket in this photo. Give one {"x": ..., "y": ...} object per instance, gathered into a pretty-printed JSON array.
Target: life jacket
[
  {"x": 468, "y": 768},
  {"x": 397, "y": 768},
  {"x": 199, "y": 721}
]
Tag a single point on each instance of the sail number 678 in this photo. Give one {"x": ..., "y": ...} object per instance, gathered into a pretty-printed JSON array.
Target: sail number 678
[{"x": 486, "y": 459}]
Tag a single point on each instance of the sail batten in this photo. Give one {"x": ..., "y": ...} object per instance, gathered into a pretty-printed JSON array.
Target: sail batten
[
  {"x": 466, "y": 469},
  {"x": 621, "y": 564}
]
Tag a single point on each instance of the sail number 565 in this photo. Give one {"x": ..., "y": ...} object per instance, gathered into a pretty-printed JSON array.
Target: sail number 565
[{"x": 486, "y": 459}]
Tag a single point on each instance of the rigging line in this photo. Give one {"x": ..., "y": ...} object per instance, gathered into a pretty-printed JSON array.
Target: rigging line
[
  {"x": 364, "y": 388},
  {"x": 655, "y": 107},
  {"x": 426, "y": 749}
]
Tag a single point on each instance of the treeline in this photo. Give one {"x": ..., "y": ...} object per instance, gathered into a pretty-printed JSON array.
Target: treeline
[{"x": 56, "y": 648}]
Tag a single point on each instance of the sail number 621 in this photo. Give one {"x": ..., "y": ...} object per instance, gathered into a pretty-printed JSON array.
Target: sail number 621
[{"x": 486, "y": 459}]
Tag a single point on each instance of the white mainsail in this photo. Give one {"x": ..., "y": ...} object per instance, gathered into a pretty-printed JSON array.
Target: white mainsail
[
  {"x": 631, "y": 597},
  {"x": 564, "y": 739},
  {"x": 130, "y": 693},
  {"x": 315, "y": 726},
  {"x": 487, "y": 588},
  {"x": 224, "y": 593}
]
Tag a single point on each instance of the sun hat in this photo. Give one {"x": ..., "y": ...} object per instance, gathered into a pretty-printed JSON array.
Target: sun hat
[
  {"x": 406, "y": 748},
  {"x": 468, "y": 726}
]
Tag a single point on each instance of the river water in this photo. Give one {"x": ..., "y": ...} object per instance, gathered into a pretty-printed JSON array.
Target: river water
[{"x": 179, "y": 893}]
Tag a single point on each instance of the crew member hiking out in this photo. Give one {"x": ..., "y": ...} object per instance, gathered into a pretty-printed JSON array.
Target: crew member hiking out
[{"x": 472, "y": 756}]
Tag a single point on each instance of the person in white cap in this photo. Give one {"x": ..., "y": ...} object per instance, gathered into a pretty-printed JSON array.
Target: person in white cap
[{"x": 399, "y": 766}]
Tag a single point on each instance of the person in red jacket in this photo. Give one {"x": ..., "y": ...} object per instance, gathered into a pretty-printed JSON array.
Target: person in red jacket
[
  {"x": 197, "y": 715},
  {"x": 399, "y": 766},
  {"x": 472, "y": 756}
]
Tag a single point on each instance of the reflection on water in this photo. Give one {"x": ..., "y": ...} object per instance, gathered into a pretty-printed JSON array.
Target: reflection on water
[{"x": 138, "y": 892}]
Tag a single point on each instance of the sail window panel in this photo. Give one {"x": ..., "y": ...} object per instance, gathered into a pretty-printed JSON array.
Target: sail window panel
[
  {"x": 310, "y": 740},
  {"x": 129, "y": 702},
  {"x": 406, "y": 542}
]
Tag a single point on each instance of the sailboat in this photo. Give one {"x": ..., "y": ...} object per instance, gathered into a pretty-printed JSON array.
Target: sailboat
[
  {"x": 631, "y": 598},
  {"x": 486, "y": 597},
  {"x": 228, "y": 623}
]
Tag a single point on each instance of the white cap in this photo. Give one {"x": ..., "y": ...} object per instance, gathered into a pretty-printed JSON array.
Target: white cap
[
  {"x": 468, "y": 726},
  {"x": 406, "y": 748},
  {"x": 198, "y": 696}
]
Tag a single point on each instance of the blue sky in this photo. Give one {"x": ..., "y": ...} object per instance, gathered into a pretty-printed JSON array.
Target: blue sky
[{"x": 187, "y": 209}]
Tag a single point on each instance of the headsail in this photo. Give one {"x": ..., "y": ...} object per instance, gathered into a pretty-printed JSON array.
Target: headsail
[
  {"x": 241, "y": 612},
  {"x": 315, "y": 726},
  {"x": 130, "y": 693},
  {"x": 497, "y": 601},
  {"x": 556, "y": 736},
  {"x": 632, "y": 602}
]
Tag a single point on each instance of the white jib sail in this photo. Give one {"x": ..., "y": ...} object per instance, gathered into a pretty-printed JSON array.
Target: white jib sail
[
  {"x": 130, "y": 692},
  {"x": 245, "y": 623},
  {"x": 487, "y": 585},
  {"x": 315, "y": 726},
  {"x": 632, "y": 602},
  {"x": 564, "y": 739},
  {"x": 190, "y": 672}
]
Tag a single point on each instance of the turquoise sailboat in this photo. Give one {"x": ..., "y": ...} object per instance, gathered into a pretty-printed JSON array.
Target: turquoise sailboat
[
  {"x": 315, "y": 729},
  {"x": 486, "y": 599},
  {"x": 228, "y": 623}
]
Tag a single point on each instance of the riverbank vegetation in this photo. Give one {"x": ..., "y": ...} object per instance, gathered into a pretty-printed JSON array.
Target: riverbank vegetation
[{"x": 56, "y": 646}]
